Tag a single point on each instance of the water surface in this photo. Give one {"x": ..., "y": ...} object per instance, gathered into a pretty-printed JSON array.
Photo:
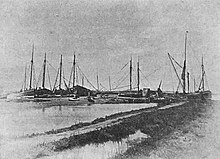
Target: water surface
[{"x": 18, "y": 119}]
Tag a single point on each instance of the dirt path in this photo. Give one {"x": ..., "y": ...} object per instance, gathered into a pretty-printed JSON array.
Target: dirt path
[
  {"x": 114, "y": 121},
  {"x": 99, "y": 125},
  {"x": 45, "y": 137}
]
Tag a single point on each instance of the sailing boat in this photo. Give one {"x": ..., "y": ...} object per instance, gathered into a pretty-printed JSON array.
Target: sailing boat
[
  {"x": 135, "y": 96},
  {"x": 43, "y": 92},
  {"x": 59, "y": 91},
  {"x": 207, "y": 94},
  {"x": 36, "y": 92},
  {"x": 77, "y": 90},
  {"x": 31, "y": 90},
  {"x": 26, "y": 92},
  {"x": 131, "y": 93},
  {"x": 71, "y": 90},
  {"x": 200, "y": 94}
]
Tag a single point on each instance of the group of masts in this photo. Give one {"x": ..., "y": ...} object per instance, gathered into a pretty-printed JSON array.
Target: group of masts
[
  {"x": 182, "y": 80},
  {"x": 31, "y": 72},
  {"x": 185, "y": 74},
  {"x": 60, "y": 73},
  {"x": 72, "y": 78},
  {"x": 138, "y": 75},
  {"x": 130, "y": 77}
]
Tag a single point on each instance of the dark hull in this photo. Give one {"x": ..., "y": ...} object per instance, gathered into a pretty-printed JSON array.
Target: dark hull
[
  {"x": 36, "y": 92},
  {"x": 204, "y": 95},
  {"x": 28, "y": 92}
]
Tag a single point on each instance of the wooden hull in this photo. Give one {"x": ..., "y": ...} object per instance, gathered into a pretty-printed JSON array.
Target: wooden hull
[{"x": 204, "y": 95}]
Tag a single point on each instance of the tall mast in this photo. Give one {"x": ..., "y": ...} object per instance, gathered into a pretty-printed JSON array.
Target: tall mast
[
  {"x": 25, "y": 77},
  {"x": 184, "y": 67},
  {"x": 188, "y": 81},
  {"x": 97, "y": 77},
  {"x": 131, "y": 74},
  {"x": 109, "y": 80},
  {"x": 56, "y": 80},
  {"x": 194, "y": 85},
  {"x": 44, "y": 71},
  {"x": 82, "y": 81},
  {"x": 160, "y": 84},
  {"x": 76, "y": 77},
  {"x": 203, "y": 83},
  {"x": 60, "y": 72},
  {"x": 74, "y": 69},
  {"x": 32, "y": 62},
  {"x": 138, "y": 76}
]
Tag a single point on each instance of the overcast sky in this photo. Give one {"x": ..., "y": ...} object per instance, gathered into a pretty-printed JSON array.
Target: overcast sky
[{"x": 104, "y": 34}]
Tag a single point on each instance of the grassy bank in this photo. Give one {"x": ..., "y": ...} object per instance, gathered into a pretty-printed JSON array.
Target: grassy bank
[
  {"x": 97, "y": 120},
  {"x": 165, "y": 124},
  {"x": 156, "y": 124}
]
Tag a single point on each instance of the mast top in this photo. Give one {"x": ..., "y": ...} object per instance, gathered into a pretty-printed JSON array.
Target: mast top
[
  {"x": 202, "y": 61},
  {"x": 203, "y": 74},
  {"x": 32, "y": 55},
  {"x": 160, "y": 83},
  {"x": 185, "y": 43}
]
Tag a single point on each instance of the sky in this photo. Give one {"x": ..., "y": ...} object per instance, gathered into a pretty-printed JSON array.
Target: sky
[{"x": 105, "y": 34}]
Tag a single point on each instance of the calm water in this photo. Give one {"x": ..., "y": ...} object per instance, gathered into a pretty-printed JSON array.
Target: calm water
[
  {"x": 18, "y": 119},
  {"x": 202, "y": 139}
]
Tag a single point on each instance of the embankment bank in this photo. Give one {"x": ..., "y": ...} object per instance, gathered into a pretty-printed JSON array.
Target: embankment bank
[
  {"x": 156, "y": 123},
  {"x": 177, "y": 135}
]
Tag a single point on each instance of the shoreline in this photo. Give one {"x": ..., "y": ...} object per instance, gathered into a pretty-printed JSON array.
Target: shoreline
[{"x": 156, "y": 124}]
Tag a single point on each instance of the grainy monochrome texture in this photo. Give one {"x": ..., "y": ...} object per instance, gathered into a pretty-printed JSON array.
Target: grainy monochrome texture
[{"x": 109, "y": 79}]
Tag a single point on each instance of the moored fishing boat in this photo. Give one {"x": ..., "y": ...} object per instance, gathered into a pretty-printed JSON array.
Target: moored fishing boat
[{"x": 201, "y": 93}]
